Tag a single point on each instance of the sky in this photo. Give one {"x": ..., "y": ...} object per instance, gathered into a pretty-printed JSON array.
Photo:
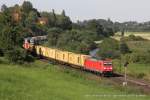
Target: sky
[{"x": 116, "y": 10}]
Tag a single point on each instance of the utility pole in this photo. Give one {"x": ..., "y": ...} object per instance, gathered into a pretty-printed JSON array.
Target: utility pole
[
  {"x": 125, "y": 74},
  {"x": 120, "y": 62}
]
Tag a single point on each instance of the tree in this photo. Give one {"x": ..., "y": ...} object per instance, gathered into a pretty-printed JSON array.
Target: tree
[
  {"x": 27, "y": 6},
  {"x": 54, "y": 18},
  {"x": 3, "y": 8},
  {"x": 109, "y": 48},
  {"x": 32, "y": 18},
  {"x": 6, "y": 18},
  {"x": 63, "y": 13},
  {"x": 94, "y": 26},
  {"x": 108, "y": 32},
  {"x": 7, "y": 38},
  {"x": 99, "y": 27},
  {"x": 124, "y": 47},
  {"x": 122, "y": 33},
  {"x": 76, "y": 41},
  {"x": 100, "y": 30},
  {"x": 18, "y": 55},
  {"x": 49, "y": 18},
  {"x": 10, "y": 37},
  {"x": 53, "y": 35},
  {"x": 64, "y": 21}
]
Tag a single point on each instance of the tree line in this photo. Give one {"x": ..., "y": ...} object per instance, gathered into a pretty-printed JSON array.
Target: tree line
[{"x": 131, "y": 26}]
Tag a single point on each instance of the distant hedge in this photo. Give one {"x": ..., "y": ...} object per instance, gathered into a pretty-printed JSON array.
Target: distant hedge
[
  {"x": 134, "y": 38},
  {"x": 138, "y": 57}
]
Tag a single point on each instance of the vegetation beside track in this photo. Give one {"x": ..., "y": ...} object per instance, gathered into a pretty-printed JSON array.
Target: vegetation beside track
[
  {"x": 139, "y": 66},
  {"x": 44, "y": 81},
  {"x": 137, "y": 70}
]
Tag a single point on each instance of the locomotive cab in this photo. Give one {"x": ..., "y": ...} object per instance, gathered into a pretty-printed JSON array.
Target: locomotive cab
[
  {"x": 107, "y": 66},
  {"x": 26, "y": 44},
  {"x": 102, "y": 66}
]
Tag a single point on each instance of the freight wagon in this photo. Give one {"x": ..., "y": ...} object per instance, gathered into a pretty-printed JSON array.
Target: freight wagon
[{"x": 79, "y": 60}]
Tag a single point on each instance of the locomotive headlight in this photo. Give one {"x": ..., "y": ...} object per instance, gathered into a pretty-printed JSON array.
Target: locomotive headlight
[{"x": 105, "y": 68}]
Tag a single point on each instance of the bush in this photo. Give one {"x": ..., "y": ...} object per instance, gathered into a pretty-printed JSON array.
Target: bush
[
  {"x": 109, "y": 48},
  {"x": 134, "y": 38},
  {"x": 124, "y": 49},
  {"x": 18, "y": 55},
  {"x": 138, "y": 57},
  {"x": 141, "y": 75}
]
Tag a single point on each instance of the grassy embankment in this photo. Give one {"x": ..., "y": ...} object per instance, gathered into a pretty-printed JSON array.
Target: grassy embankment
[
  {"x": 136, "y": 69},
  {"x": 43, "y": 81}
]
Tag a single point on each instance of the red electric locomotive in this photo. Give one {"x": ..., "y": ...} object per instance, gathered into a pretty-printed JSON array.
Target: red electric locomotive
[{"x": 102, "y": 66}]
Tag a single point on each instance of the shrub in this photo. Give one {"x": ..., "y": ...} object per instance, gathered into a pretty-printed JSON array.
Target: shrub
[
  {"x": 141, "y": 75},
  {"x": 109, "y": 48},
  {"x": 134, "y": 38},
  {"x": 138, "y": 57},
  {"x": 124, "y": 49},
  {"x": 18, "y": 55}
]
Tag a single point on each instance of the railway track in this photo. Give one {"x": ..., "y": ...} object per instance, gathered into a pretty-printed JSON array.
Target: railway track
[
  {"x": 115, "y": 78},
  {"x": 139, "y": 83},
  {"x": 131, "y": 81},
  {"x": 142, "y": 85}
]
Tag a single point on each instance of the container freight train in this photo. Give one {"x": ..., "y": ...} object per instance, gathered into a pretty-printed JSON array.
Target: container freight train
[{"x": 78, "y": 60}]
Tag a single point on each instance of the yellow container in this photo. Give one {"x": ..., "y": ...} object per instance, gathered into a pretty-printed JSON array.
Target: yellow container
[
  {"x": 38, "y": 50},
  {"x": 45, "y": 51},
  {"x": 62, "y": 55},
  {"x": 75, "y": 59},
  {"x": 50, "y": 53}
]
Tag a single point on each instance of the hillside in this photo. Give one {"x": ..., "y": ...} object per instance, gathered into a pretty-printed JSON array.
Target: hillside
[{"x": 44, "y": 81}]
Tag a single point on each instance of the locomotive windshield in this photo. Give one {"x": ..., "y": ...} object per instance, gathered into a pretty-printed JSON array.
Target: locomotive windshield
[{"x": 108, "y": 64}]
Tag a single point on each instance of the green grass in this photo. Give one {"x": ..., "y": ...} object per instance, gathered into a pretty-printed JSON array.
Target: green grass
[
  {"x": 139, "y": 70},
  {"x": 139, "y": 46},
  {"x": 43, "y": 81},
  {"x": 134, "y": 69}
]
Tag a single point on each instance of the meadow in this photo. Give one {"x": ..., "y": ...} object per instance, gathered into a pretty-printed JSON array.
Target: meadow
[
  {"x": 44, "y": 81},
  {"x": 145, "y": 35},
  {"x": 139, "y": 46},
  {"x": 137, "y": 70}
]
